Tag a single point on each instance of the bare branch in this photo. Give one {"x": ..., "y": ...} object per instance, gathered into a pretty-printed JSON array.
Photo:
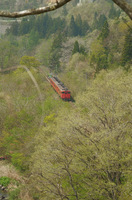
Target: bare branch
[
  {"x": 34, "y": 11},
  {"x": 124, "y": 6},
  {"x": 71, "y": 183}
]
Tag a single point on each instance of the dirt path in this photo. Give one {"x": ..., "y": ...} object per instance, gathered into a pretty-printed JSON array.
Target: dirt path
[{"x": 9, "y": 171}]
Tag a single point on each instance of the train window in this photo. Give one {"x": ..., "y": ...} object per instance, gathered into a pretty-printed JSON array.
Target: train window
[
  {"x": 68, "y": 92},
  {"x": 63, "y": 92}
]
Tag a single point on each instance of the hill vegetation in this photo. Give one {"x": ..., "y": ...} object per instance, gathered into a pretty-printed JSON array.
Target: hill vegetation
[{"x": 68, "y": 150}]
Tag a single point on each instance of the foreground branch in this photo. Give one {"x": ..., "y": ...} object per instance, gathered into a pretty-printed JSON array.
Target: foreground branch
[
  {"x": 59, "y": 3},
  {"x": 124, "y": 6},
  {"x": 34, "y": 11}
]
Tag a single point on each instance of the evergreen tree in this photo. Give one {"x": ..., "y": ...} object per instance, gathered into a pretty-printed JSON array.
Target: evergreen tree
[
  {"x": 56, "y": 25},
  {"x": 98, "y": 56},
  {"x": 55, "y": 53},
  {"x": 105, "y": 31},
  {"x": 113, "y": 12},
  {"x": 127, "y": 49},
  {"x": 75, "y": 48},
  {"x": 85, "y": 27},
  {"x": 14, "y": 28},
  {"x": 75, "y": 2},
  {"x": 33, "y": 38},
  {"x": 54, "y": 63},
  {"x": 95, "y": 21},
  {"x": 101, "y": 21},
  {"x": 57, "y": 42},
  {"x": 78, "y": 49},
  {"x": 64, "y": 11},
  {"x": 24, "y": 27},
  {"x": 79, "y": 24},
  {"x": 32, "y": 22},
  {"x": 72, "y": 27},
  {"x": 82, "y": 50},
  {"x": 46, "y": 23}
]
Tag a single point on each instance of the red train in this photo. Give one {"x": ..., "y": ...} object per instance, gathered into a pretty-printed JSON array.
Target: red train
[{"x": 59, "y": 87}]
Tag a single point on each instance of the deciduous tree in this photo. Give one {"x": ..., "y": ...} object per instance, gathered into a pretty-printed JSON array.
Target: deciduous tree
[
  {"x": 87, "y": 154},
  {"x": 29, "y": 61}
]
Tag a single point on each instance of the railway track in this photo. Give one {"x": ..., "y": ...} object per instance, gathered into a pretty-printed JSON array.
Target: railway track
[
  {"x": 8, "y": 69},
  {"x": 42, "y": 71},
  {"x": 44, "y": 74}
]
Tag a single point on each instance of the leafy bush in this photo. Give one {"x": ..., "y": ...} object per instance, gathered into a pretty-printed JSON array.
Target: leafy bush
[{"x": 4, "y": 181}]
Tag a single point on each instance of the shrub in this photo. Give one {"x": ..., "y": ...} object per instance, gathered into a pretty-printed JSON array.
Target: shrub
[{"x": 4, "y": 181}]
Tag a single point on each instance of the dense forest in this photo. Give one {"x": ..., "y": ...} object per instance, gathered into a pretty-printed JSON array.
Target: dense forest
[{"x": 55, "y": 149}]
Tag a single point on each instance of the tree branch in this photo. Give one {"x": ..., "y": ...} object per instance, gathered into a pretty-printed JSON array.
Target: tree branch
[
  {"x": 124, "y": 6},
  {"x": 34, "y": 11}
]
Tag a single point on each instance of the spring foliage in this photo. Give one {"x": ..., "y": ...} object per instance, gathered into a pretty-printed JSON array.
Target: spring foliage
[{"x": 83, "y": 150}]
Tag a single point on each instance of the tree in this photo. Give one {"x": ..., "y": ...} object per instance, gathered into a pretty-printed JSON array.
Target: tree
[
  {"x": 29, "y": 61},
  {"x": 95, "y": 21},
  {"x": 98, "y": 56},
  {"x": 78, "y": 49},
  {"x": 79, "y": 24},
  {"x": 121, "y": 3},
  {"x": 83, "y": 50},
  {"x": 75, "y": 48},
  {"x": 54, "y": 63},
  {"x": 85, "y": 27},
  {"x": 73, "y": 31},
  {"x": 24, "y": 27},
  {"x": 101, "y": 21},
  {"x": 113, "y": 12},
  {"x": 57, "y": 42},
  {"x": 64, "y": 11},
  {"x": 86, "y": 153},
  {"x": 8, "y": 53},
  {"x": 127, "y": 50},
  {"x": 105, "y": 31},
  {"x": 55, "y": 53},
  {"x": 14, "y": 29},
  {"x": 33, "y": 38},
  {"x": 124, "y": 6}
]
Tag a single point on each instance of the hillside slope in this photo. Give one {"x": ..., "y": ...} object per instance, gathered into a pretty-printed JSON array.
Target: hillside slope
[{"x": 68, "y": 150}]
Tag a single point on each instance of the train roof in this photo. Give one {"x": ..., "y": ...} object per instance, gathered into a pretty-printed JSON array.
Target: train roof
[{"x": 59, "y": 83}]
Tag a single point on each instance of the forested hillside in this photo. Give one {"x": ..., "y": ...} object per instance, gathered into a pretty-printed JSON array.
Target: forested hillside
[{"x": 74, "y": 150}]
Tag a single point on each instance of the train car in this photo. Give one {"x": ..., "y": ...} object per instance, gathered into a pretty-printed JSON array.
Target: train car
[{"x": 59, "y": 87}]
